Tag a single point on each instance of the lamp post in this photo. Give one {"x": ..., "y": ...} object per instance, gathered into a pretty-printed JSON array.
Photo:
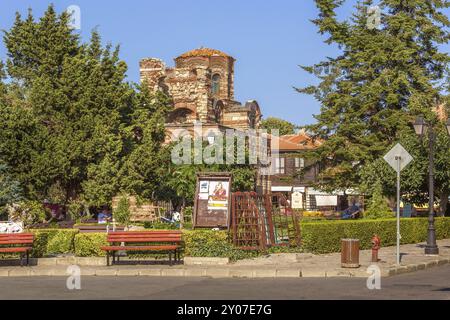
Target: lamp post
[{"x": 422, "y": 128}]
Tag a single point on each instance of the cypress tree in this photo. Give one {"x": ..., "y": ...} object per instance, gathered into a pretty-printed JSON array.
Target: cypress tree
[
  {"x": 67, "y": 112},
  {"x": 382, "y": 79}
]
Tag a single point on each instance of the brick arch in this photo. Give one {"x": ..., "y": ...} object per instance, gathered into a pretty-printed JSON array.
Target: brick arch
[
  {"x": 218, "y": 111},
  {"x": 181, "y": 115},
  {"x": 185, "y": 104}
]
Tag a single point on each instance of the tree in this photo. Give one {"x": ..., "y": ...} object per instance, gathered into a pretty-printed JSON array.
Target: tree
[
  {"x": 68, "y": 115},
  {"x": 373, "y": 90},
  {"x": 378, "y": 207},
  {"x": 10, "y": 190},
  {"x": 178, "y": 181},
  {"x": 144, "y": 165},
  {"x": 284, "y": 127},
  {"x": 182, "y": 180},
  {"x": 122, "y": 213}
]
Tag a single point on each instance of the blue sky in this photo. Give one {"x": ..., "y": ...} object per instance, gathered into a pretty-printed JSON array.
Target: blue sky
[{"x": 268, "y": 38}]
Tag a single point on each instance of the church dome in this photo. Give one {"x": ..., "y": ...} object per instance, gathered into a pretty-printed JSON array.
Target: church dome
[{"x": 204, "y": 52}]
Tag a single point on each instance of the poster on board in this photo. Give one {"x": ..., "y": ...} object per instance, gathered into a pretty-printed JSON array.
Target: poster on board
[
  {"x": 218, "y": 195},
  {"x": 212, "y": 201}
]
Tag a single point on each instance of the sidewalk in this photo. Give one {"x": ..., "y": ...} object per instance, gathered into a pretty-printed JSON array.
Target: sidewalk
[{"x": 271, "y": 266}]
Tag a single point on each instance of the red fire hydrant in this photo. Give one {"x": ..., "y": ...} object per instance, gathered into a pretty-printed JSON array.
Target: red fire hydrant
[{"x": 376, "y": 245}]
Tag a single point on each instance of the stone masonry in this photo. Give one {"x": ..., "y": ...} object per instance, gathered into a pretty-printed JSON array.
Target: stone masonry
[{"x": 201, "y": 86}]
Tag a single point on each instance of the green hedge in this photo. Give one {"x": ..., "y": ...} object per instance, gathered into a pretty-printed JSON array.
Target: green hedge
[
  {"x": 317, "y": 237},
  {"x": 208, "y": 243},
  {"x": 325, "y": 236},
  {"x": 49, "y": 242},
  {"x": 88, "y": 244}
]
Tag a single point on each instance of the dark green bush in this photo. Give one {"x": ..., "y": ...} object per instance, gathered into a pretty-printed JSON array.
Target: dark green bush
[
  {"x": 317, "y": 237},
  {"x": 208, "y": 243},
  {"x": 62, "y": 242},
  {"x": 160, "y": 226},
  {"x": 88, "y": 244},
  {"x": 325, "y": 236},
  {"x": 53, "y": 241},
  {"x": 122, "y": 212}
]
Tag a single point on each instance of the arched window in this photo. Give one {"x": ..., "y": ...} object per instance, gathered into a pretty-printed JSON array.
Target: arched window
[
  {"x": 218, "y": 111},
  {"x": 215, "y": 84},
  {"x": 252, "y": 118},
  {"x": 180, "y": 116}
]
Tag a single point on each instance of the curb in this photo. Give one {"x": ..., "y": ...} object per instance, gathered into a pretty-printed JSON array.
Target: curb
[
  {"x": 417, "y": 267},
  {"x": 215, "y": 272}
]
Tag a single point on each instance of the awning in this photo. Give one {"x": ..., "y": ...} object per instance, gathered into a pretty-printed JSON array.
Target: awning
[
  {"x": 281, "y": 189},
  {"x": 326, "y": 200},
  {"x": 349, "y": 192}
]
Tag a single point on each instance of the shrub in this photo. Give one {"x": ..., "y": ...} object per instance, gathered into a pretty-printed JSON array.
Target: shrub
[
  {"x": 208, "y": 243},
  {"x": 310, "y": 214},
  {"x": 52, "y": 241},
  {"x": 188, "y": 213},
  {"x": 325, "y": 236},
  {"x": 160, "y": 226},
  {"x": 62, "y": 242},
  {"x": 88, "y": 244},
  {"x": 77, "y": 210},
  {"x": 378, "y": 208},
  {"x": 29, "y": 212},
  {"x": 122, "y": 212},
  {"x": 10, "y": 190}
]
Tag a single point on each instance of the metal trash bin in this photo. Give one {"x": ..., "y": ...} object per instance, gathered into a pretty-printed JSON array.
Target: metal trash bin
[{"x": 350, "y": 253}]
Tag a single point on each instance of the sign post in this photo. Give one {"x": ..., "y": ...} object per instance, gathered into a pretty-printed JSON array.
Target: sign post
[
  {"x": 212, "y": 204},
  {"x": 398, "y": 158}
]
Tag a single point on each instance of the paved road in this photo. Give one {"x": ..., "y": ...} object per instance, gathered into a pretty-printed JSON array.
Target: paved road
[{"x": 433, "y": 283}]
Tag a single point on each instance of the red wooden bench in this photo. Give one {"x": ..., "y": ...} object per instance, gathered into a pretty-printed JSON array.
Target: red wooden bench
[
  {"x": 160, "y": 241},
  {"x": 21, "y": 243},
  {"x": 100, "y": 228}
]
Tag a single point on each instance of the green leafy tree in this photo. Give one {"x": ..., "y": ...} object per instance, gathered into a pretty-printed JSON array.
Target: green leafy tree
[
  {"x": 178, "y": 181},
  {"x": 378, "y": 207},
  {"x": 143, "y": 169},
  {"x": 67, "y": 115},
  {"x": 10, "y": 190},
  {"x": 28, "y": 212},
  {"x": 372, "y": 91},
  {"x": 122, "y": 213},
  {"x": 284, "y": 127},
  {"x": 182, "y": 180}
]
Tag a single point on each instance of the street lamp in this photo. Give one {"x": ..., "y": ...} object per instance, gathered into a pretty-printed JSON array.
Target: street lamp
[{"x": 422, "y": 128}]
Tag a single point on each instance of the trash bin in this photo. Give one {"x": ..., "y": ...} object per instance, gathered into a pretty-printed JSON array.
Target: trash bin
[{"x": 350, "y": 253}]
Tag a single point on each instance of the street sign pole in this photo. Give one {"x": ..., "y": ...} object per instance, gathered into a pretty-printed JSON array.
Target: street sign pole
[
  {"x": 398, "y": 158},
  {"x": 398, "y": 209}
]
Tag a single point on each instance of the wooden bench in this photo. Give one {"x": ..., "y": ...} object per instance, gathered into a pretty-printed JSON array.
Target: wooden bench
[
  {"x": 21, "y": 243},
  {"x": 99, "y": 228},
  {"x": 161, "y": 241}
]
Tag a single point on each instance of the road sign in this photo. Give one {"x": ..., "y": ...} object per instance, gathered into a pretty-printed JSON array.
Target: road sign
[
  {"x": 398, "y": 158},
  {"x": 297, "y": 200},
  {"x": 398, "y": 153}
]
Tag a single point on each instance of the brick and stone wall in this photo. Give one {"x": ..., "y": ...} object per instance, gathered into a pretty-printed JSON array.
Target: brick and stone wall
[{"x": 189, "y": 85}]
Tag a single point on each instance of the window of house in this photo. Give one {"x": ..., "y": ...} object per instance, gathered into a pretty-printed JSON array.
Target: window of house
[
  {"x": 299, "y": 163},
  {"x": 279, "y": 166},
  {"x": 252, "y": 118},
  {"x": 215, "y": 84}
]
